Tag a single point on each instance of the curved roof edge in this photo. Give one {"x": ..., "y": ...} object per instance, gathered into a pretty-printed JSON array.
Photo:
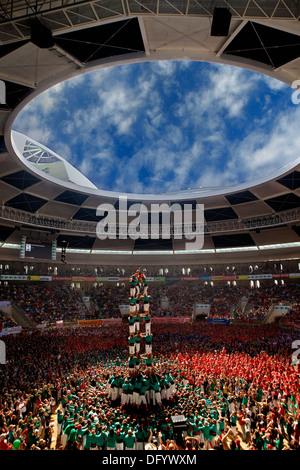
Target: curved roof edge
[
  {"x": 46, "y": 163},
  {"x": 151, "y": 42},
  {"x": 75, "y": 180}
]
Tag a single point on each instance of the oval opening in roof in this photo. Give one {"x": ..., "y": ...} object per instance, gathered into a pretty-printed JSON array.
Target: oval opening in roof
[{"x": 160, "y": 127}]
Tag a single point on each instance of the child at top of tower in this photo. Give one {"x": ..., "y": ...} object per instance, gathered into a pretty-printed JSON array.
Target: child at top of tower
[{"x": 137, "y": 286}]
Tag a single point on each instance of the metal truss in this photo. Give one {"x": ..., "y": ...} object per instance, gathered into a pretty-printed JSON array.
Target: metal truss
[
  {"x": 60, "y": 15},
  {"x": 85, "y": 227}
]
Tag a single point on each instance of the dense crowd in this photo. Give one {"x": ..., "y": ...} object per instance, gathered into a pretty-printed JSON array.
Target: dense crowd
[
  {"x": 260, "y": 301},
  {"x": 5, "y": 321},
  {"x": 225, "y": 301},
  {"x": 107, "y": 300},
  {"x": 49, "y": 303},
  {"x": 292, "y": 318},
  {"x": 236, "y": 386}
]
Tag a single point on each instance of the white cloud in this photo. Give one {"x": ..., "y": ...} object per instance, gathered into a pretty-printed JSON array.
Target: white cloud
[
  {"x": 164, "y": 67},
  {"x": 30, "y": 124},
  {"x": 214, "y": 177},
  {"x": 125, "y": 133},
  {"x": 263, "y": 152},
  {"x": 273, "y": 83},
  {"x": 223, "y": 94}
]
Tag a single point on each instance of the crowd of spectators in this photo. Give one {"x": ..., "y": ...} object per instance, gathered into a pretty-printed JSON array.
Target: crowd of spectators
[
  {"x": 42, "y": 303},
  {"x": 292, "y": 318},
  {"x": 261, "y": 301},
  {"x": 5, "y": 321},
  {"x": 107, "y": 299},
  {"x": 225, "y": 301},
  {"x": 183, "y": 297},
  {"x": 53, "y": 302}
]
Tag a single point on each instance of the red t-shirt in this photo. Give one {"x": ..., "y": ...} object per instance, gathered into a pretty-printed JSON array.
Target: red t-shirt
[
  {"x": 241, "y": 420},
  {"x": 5, "y": 446}
]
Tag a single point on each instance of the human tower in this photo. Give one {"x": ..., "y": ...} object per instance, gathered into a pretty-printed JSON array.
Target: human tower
[
  {"x": 140, "y": 342},
  {"x": 141, "y": 384}
]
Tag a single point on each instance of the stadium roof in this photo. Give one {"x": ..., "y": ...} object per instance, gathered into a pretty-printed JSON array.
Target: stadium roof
[{"x": 41, "y": 46}]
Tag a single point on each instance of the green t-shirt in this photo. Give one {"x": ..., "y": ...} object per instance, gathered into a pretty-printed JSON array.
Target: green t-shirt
[
  {"x": 94, "y": 439},
  {"x": 88, "y": 439},
  {"x": 144, "y": 387},
  {"x": 101, "y": 439},
  {"x": 205, "y": 429},
  {"x": 195, "y": 427},
  {"x": 245, "y": 401},
  {"x": 72, "y": 435},
  {"x": 139, "y": 435},
  {"x": 111, "y": 440},
  {"x": 129, "y": 441},
  {"x": 133, "y": 281},
  {"x": 148, "y": 339},
  {"x": 81, "y": 432},
  {"x": 233, "y": 420},
  {"x": 131, "y": 362},
  {"x": 155, "y": 386},
  {"x": 149, "y": 361},
  {"x": 137, "y": 385},
  {"x": 68, "y": 429},
  {"x": 131, "y": 387}
]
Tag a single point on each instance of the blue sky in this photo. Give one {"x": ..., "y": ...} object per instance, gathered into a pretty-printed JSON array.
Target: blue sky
[{"x": 164, "y": 126}]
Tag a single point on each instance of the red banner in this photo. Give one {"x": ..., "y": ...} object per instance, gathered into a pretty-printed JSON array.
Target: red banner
[
  {"x": 170, "y": 320},
  {"x": 89, "y": 322},
  {"x": 61, "y": 278}
]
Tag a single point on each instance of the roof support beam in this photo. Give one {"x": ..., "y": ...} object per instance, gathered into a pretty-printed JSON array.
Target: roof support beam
[{"x": 231, "y": 37}]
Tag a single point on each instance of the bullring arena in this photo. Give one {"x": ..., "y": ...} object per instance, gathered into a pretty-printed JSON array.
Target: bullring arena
[{"x": 144, "y": 344}]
